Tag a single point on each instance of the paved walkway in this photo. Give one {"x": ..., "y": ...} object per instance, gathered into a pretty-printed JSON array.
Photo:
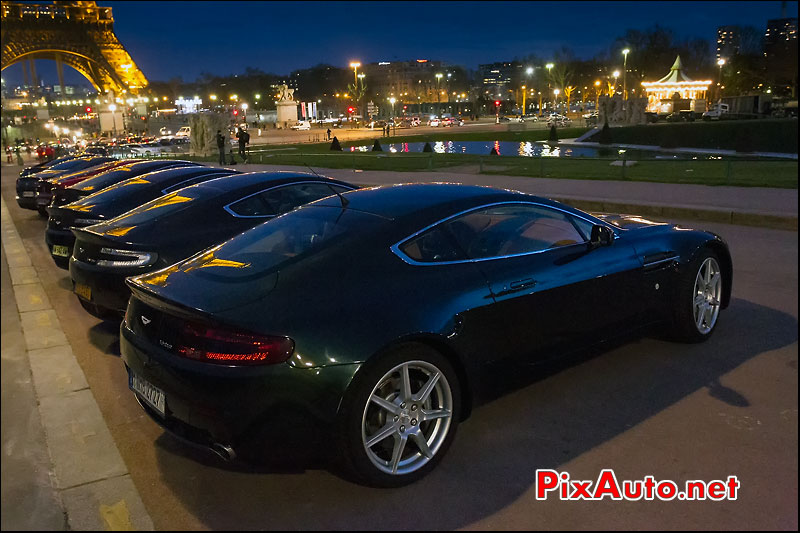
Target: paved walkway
[
  {"x": 61, "y": 467},
  {"x": 751, "y": 206}
]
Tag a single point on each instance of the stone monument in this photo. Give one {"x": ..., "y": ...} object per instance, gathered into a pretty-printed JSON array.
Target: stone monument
[{"x": 287, "y": 107}]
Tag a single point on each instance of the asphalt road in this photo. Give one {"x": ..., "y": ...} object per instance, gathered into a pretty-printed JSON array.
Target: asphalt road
[{"x": 648, "y": 407}]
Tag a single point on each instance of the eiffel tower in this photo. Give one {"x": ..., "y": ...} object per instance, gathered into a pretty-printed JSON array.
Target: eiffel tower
[{"x": 78, "y": 34}]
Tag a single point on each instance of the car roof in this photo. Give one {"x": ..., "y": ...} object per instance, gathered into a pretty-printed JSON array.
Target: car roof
[
  {"x": 397, "y": 201},
  {"x": 241, "y": 181}
]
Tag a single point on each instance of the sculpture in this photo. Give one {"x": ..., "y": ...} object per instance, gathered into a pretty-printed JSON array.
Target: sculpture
[{"x": 285, "y": 94}]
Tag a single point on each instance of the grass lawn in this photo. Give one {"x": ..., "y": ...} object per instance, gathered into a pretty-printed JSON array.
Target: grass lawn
[{"x": 736, "y": 172}]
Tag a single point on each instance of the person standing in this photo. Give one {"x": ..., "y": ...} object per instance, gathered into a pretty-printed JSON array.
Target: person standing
[
  {"x": 244, "y": 138},
  {"x": 221, "y": 146},
  {"x": 329, "y": 134}
]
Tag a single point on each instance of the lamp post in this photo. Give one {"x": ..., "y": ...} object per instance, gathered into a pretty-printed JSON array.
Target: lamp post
[
  {"x": 616, "y": 75},
  {"x": 597, "y": 94},
  {"x": 556, "y": 92},
  {"x": 528, "y": 72},
  {"x": 523, "y": 99},
  {"x": 359, "y": 93},
  {"x": 244, "y": 113},
  {"x": 548, "y": 66},
  {"x": 354, "y": 65},
  {"x": 721, "y": 63},
  {"x": 392, "y": 100},
  {"x": 625, "y": 53},
  {"x": 438, "y": 93}
]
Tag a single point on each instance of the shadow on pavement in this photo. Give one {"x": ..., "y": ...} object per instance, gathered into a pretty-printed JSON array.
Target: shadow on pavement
[{"x": 554, "y": 415}]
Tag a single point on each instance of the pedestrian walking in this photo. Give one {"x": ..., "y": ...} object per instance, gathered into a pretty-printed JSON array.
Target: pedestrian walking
[
  {"x": 20, "y": 162},
  {"x": 329, "y": 134},
  {"x": 221, "y": 146}
]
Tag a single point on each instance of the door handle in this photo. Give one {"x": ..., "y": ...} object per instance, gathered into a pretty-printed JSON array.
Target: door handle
[{"x": 521, "y": 284}]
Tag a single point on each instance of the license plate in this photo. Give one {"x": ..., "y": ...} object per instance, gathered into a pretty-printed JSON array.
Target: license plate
[
  {"x": 28, "y": 194},
  {"x": 84, "y": 291},
  {"x": 151, "y": 394},
  {"x": 61, "y": 251}
]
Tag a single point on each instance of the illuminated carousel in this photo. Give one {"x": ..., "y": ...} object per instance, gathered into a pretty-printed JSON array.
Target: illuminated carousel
[{"x": 676, "y": 92}]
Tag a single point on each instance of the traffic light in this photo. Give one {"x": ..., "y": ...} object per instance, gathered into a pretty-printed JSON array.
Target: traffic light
[
  {"x": 350, "y": 109},
  {"x": 497, "y": 103},
  {"x": 88, "y": 109},
  {"x": 235, "y": 112}
]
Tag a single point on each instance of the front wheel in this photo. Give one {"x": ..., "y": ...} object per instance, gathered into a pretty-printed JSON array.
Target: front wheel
[
  {"x": 699, "y": 299},
  {"x": 399, "y": 416}
]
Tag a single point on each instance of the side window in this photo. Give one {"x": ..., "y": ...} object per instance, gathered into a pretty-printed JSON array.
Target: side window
[
  {"x": 284, "y": 199},
  {"x": 252, "y": 206},
  {"x": 433, "y": 246},
  {"x": 513, "y": 229}
]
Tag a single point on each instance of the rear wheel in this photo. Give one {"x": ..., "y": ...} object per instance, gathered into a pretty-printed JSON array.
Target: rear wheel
[
  {"x": 399, "y": 416},
  {"x": 699, "y": 299},
  {"x": 42, "y": 211}
]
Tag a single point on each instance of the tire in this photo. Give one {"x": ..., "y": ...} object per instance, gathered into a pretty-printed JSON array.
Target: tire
[
  {"x": 42, "y": 211},
  {"x": 698, "y": 299},
  {"x": 395, "y": 424}
]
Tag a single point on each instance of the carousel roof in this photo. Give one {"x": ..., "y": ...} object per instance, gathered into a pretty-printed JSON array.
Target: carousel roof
[
  {"x": 675, "y": 76},
  {"x": 675, "y": 73}
]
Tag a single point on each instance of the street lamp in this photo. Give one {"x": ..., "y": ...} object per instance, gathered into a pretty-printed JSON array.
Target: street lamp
[
  {"x": 438, "y": 93},
  {"x": 557, "y": 92},
  {"x": 549, "y": 66},
  {"x": 244, "y": 114},
  {"x": 625, "y": 53},
  {"x": 597, "y": 94},
  {"x": 392, "y": 100},
  {"x": 616, "y": 75},
  {"x": 721, "y": 63},
  {"x": 354, "y": 65}
]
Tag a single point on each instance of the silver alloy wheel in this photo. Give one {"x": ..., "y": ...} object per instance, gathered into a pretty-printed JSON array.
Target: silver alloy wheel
[
  {"x": 707, "y": 295},
  {"x": 413, "y": 404}
]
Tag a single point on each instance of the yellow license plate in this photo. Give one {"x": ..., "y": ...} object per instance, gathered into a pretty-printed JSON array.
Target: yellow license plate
[
  {"x": 84, "y": 291},
  {"x": 62, "y": 251}
]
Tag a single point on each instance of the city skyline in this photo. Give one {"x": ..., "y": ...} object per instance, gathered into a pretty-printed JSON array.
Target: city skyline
[{"x": 331, "y": 32}]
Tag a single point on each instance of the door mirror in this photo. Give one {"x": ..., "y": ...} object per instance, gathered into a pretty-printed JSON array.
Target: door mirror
[{"x": 601, "y": 236}]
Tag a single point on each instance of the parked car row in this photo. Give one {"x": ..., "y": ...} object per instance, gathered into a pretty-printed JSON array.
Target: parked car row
[{"x": 270, "y": 311}]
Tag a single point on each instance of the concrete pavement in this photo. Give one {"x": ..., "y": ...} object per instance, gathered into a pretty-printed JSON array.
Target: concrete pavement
[
  {"x": 748, "y": 206},
  {"x": 61, "y": 467}
]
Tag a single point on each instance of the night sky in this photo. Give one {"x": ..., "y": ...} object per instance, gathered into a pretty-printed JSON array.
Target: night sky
[{"x": 168, "y": 39}]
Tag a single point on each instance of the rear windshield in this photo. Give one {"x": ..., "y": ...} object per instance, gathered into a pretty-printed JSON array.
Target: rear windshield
[
  {"x": 118, "y": 174},
  {"x": 161, "y": 206},
  {"x": 66, "y": 165},
  {"x": 285, "y": 239}
]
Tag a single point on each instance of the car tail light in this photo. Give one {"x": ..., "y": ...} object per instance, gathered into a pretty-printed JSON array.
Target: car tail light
[
  {"x": 225, "y": 346},
  {"x": 125, "y": 258}
]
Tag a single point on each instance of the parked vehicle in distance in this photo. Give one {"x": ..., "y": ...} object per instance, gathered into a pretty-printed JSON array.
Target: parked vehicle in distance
[
  {"x": 237, "y": 344},
  {"x": 26, "y": 186},
  {"x": 116, "y": 200},
  {"x": 716, "y": 111},
  {"x": 303, "y": 125},
  {"x": 179, "y": 224},
  {"x": 184, "y": 131},
  {"x": 62, "y": 196},
  {"x": 434, "y": 122}
]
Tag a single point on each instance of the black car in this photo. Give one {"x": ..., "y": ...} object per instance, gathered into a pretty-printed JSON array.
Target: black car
[
  {"x": 27, "y": 185},
  {"x": 116, "y": 200},
  {"x": 116, "y": 175},
  {"x": 27, "y": 171},
  {"x": 369, "y": 321},
  {"x": 179, "y": 224}
]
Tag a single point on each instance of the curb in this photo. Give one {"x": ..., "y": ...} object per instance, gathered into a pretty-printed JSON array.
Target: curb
[
  {"x": 725, "y": 216},
  {"x": 89, "y": 475}
]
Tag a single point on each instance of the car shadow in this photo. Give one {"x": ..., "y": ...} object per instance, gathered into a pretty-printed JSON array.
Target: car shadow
[
  {"x": 105, "y": 337},
  {"x": 552, "y": 414}
]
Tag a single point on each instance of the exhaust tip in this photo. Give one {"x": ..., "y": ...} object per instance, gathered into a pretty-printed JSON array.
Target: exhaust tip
[{"x": 224, "y": 451}]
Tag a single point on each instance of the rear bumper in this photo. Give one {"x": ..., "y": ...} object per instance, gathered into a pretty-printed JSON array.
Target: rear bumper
[
  {"x": 108, "y": 289},
  {"x": 255, "y": 410},
  {"x": 55, "y": 237}
]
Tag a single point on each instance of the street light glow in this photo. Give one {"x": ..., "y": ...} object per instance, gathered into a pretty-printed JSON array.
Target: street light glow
[
  {"x": 616, "y": 74},
  {"x": 626, "y": 51},
  {"x": 529, "y": 71},
  {"x": 721, "y": 61},
  {"x": 355, "y": 64}
]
